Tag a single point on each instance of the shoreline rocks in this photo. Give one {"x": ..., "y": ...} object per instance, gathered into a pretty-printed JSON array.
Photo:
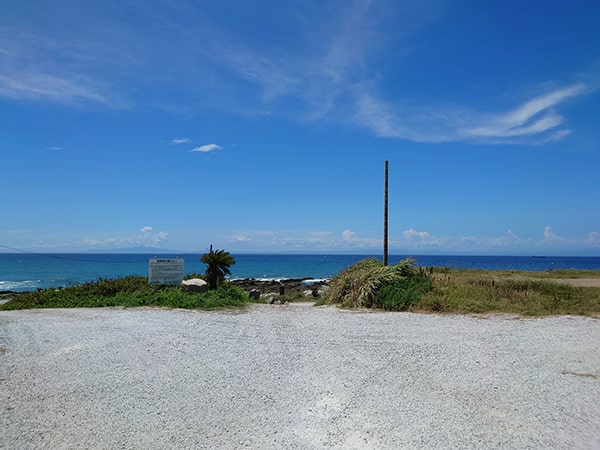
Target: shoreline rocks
[{"x": 290, "y": 287}]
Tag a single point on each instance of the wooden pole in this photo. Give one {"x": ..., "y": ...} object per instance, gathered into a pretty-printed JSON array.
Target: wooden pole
[{"x": 385, "y": 217}]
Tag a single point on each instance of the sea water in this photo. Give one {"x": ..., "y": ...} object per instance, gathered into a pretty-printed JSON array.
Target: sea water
[{"x": 20, "y": 272}]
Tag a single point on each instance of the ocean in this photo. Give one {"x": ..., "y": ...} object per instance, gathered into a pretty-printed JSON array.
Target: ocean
[{"x": 21, "y": 272}]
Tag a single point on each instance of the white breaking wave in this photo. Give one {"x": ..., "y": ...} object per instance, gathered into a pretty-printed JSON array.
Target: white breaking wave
[{"x": 18, "y": 285}]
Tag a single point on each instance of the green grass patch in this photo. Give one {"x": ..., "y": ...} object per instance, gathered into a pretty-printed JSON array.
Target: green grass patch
[
  {"x": 523, "y": 293},
  {"x": 130, "y": 291}
]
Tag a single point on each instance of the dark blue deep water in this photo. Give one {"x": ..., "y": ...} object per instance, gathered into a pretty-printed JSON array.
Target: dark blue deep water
[{"x": 26, "y": 272}]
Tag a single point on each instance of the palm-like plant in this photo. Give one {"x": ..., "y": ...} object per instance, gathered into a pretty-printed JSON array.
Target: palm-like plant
[{"x": 217, "y": 266}]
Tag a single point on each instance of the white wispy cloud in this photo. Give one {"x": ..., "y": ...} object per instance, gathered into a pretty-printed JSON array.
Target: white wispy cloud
[
  {"x": 55, "y": 148},
  {"x": 533, "y": 117},
  {"x": 333, "y": 71},
  {"x": 350, "y": 239},
  {"x": 178, "y": 141},
  {"x": 593, "y": 238},
  {"x": 349, "y": 235},
  {"x": 146, "y": 230},
  {"x": 45, "y": 87},
  {"x": 297, "y": 240},
  {"x": 421, "y": 239},
  {"x": 414, "y": 240},
  {"x": 50, "y": 58},
  {"x": 146, "y": 236},
  {"x": 534, "y": 121},
  {"x": 149, "y": 237},
  {"x": 332, "y": 81},
  {"x": 410, "y": 240},
  {"x": 207, "y": 148},
  {"x": 240, "y": 238},
  {"x": 550, "y": 237},
  {"x": 509, "y": 242}
]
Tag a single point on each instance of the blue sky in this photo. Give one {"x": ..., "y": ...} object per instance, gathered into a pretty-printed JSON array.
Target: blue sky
[{"x": 264, "y": 126}]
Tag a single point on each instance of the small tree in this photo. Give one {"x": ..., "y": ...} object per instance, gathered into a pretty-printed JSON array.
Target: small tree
[{"x": 217, "y": 266}]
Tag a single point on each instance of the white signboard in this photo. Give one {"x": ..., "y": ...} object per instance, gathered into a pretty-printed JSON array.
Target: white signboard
[{"x": 165, "y": 271}]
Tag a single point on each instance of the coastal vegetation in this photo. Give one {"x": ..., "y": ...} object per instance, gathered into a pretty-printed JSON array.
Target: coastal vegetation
[
  {"x": 132, "y": 291},
  {"x": 218, "y": 263},
  {"x": 369, "y": 283},
  {"x": 516, "y": 292},
  {"x": 404, "y": 287},
  {"x": 366, "y": 284}
]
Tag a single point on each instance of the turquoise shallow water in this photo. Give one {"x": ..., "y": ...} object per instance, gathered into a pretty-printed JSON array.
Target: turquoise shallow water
[{"x": 26, "y": 272}]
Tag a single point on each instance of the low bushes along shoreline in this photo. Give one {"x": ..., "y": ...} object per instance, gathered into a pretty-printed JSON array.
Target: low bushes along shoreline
[{"x": 401, "y": 287}]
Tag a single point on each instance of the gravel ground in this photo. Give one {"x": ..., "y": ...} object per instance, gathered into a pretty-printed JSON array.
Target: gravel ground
[{"x": 295, "y": 376}]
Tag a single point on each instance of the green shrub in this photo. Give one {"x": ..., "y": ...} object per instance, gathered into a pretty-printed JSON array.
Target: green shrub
[
  {"x": 369, "y": 283},
  {"x": 401, "y": 294}
]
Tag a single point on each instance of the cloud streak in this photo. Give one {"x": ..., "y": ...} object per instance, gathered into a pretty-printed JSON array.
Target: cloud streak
[
  {"x": 410, "y": 241},
  {"x": 534, "y": 117},
  {"x": 178, "y": 141},
  {"x": 534, "y": 121},
  {"x": 45, "y": 87},
  {"x": 414, "y": 240},
  {"x": 331, "y": 82},
  {"x": 149, "y": 237},
  {"x": 332, "y": 73},
  {"x": 207, "y": 148}
]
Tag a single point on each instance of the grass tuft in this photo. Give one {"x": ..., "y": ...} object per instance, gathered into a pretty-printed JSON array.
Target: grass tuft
[{"x": 370, "y": 284}]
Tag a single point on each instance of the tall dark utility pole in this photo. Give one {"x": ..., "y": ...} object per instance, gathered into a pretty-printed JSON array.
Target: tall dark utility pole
[{"x": 385, "y": 218}]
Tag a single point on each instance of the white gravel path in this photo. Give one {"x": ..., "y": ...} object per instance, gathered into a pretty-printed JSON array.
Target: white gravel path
[{"x": 296, "y": 377}]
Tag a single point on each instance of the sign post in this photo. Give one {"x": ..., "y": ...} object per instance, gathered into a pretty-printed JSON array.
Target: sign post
[{"x": 163, "y": 271}]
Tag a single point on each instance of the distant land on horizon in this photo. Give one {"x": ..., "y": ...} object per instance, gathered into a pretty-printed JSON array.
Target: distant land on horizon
[
  {"x": 372, "y": 252},
  {"x": 138, "y": 249},
  {"x": 157, "y": 250},
  {"x": 365, "y": 252}
]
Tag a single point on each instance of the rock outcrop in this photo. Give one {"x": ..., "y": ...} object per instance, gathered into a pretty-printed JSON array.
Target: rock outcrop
[{"x": 194, "y": 285}]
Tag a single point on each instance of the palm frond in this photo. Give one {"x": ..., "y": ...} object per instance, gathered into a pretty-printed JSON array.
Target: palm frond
[{"x": 218, "y": 264}]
